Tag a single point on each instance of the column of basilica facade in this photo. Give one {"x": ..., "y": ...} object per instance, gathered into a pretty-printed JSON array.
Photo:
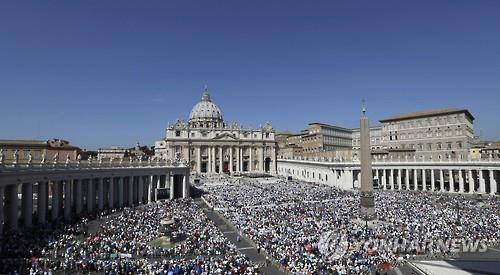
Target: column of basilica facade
[{"x": 209, "y": 145}]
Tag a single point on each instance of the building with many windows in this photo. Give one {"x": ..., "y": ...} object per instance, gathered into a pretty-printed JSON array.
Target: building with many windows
[
  {"x": 324, "y": 140},
  {"x": 319, "y": 140},
  {"x": 433, "y": 134},
  {"x": 210, "y": 145},
  {"x": 375, "y": 141}
]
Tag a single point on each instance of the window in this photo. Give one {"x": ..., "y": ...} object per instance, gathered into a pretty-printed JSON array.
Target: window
[{"x": 177, "y": 133}]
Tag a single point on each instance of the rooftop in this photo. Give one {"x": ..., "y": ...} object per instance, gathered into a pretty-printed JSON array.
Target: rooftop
[
  {"x": 22, "y": 142},
  {"x": 329, "y": 126},
  {"x": 428, "y": 113}
]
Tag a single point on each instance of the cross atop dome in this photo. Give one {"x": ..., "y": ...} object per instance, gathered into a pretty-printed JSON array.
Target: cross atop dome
[{"x": 206, "y": 95}]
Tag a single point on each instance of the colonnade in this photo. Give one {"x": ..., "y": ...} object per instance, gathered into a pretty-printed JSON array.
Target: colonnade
[
  {"x": 460, "y": 177},
  {"x": 27, "y": 200},
  {"x": 450, "y": 179}
]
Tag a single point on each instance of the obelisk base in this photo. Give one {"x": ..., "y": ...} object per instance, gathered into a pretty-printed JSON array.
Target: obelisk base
[{"x": 367, "y": 212}]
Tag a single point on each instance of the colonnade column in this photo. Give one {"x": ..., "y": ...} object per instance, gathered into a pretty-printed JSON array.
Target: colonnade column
[
  {"x": 441, "y": 180},
  {"x": 157, "y": 185},
  {"x": 185, "y": 185},
  {"x": 415, "y": 179},
  {"x": 90, "y": 195},
  {"x": 150, "y": 187},
  {"x": 67, "y": 199},
  {"x": 482, "y": 184},
  {"x": 493, "y": 183},
  {"x": 27, "y": 204},
  {"x": 335, "y": 183},
  {"x": 350, "y": 178},
  {"x": 424, "y": 180},
  {"x": 172, "y": 183},
  {"x": 56, "y": 199},
  {"x": 100, "y": 193},
  {"x": 120, "y": 192},
  {"x": 79, "y": 196},
  {"x": 433, "y": 183},
  {"x": 407, "y": 179},
  {"x": 384, "y": 179},
  {"x": 42, "y": 202},
  {"x": 391, "y": 178},
  {"x": 11, "y": 206},
  {"x": 130, "y": 190},
  {"x": 460, "y": 181},
  {"x": 400, "y": 187},
  {"x": 140, "y": 190},
  {"x": 111, "y": 193},
  {"x": 471, "y": 182},
  {"x": 451, "y": 181},
  {"x": 231, "y": 159}
]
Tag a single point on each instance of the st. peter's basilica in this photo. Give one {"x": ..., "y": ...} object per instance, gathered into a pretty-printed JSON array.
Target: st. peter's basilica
[{"x": 210, "y": 145}]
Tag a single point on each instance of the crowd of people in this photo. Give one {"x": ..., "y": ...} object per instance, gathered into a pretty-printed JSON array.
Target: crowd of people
[
  {"x": 123, "y": 243},
  {"x": 315, "y": 229},
  {"x": 307, "y": 228}
]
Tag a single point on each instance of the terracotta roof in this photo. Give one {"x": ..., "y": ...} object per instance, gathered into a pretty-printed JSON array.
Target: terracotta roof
[
  {"x": 428, "y": 113},
  {"x": 493, "y": 146},
  {"x": 17, "y": 142},
  {"x": 34, "y": 143}
]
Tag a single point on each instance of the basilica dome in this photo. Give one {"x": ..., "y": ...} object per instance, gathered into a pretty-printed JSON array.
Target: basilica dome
[{"x": 205, "y": 114}]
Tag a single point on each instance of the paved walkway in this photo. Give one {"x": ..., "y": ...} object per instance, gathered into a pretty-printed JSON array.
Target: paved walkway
[{"x": 243, "y": 245}]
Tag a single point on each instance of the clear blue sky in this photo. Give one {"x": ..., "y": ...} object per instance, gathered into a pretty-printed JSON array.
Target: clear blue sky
[{"x": 102, "y": 73}]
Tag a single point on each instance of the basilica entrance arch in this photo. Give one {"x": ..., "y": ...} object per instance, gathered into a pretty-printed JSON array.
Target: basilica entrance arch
[{"x": 267, "y": 164}]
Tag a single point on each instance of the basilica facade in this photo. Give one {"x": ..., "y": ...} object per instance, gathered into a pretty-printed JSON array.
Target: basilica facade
[{"x": 210, "y": 145}]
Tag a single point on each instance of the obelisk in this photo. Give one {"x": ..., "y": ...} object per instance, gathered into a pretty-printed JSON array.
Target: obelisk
[{"x": 367, "y": 200}]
